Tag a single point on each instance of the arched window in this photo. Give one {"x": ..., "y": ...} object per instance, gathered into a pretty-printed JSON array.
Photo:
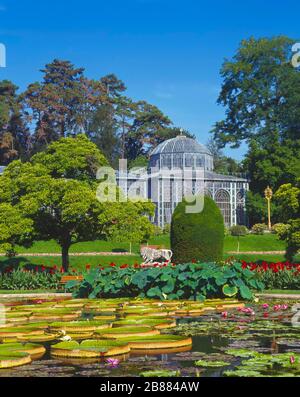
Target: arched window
[
  {"x": 240, "y": 209},
  {"x": 222, "y": 199}
]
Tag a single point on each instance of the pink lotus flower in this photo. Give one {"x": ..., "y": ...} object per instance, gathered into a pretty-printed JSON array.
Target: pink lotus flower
[
  {"x": 265, "y": 306},
  {"x": 277, "y": 308},
  {"x": 112, "y": 362},
  {"x": 292, "y": 360},
  {"x": 224, "y": 314},
  {"x": 285, "y": 307},
  {"x": 248, "y": 310}
]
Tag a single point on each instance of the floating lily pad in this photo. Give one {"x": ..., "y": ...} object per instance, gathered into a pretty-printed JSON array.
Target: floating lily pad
[
  {"x": 158, "y": 342},
  {"x": 13, "y": 359},
  {"x": 79, "y": 326},
  {"x": 125, "y": 332},
  {"x": 159, "y": 374},
  {"x": 89, "y": 349},
  {"x": 35, "y": 350},
  {"x": 211, "y": 364}
]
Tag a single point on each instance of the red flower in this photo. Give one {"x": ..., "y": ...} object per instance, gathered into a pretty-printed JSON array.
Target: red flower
[
  {"x": 124, "y": 266},
  {"x": 112, "y": 264},
  {"x": 87, "y": 267}
]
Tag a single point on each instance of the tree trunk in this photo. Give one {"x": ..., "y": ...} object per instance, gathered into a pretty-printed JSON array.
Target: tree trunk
[{"x": 65, "y": 256}]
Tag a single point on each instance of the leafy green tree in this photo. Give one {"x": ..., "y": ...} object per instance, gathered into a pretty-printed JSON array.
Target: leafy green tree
[
  {"x": 103, "y": 132},
  {"x": 14, "y": 228},
  {"x": 62, "y": 103},
  {"x": 145, "y": 131},
  {"x": 223, "y": 164},
  {"x": 288, "y": 200},
  {"x": 274, "y": 164},
  {"x": 261, "y": 97},
  {"x": 14, "y": 135},
  {"x": 257, "y": 210},
  {"x": 56, "y": 192},
  {"x": 139, "y": 162}
]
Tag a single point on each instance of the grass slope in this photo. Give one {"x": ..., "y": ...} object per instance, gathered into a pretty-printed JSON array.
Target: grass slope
[{"x": 268, "y": 242}]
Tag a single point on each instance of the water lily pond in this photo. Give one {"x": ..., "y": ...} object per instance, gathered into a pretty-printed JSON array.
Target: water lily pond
[{"x": 120, "y": 337}]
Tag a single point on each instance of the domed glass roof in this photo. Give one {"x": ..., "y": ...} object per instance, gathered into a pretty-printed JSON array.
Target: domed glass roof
[{"x": 180, "y": 144}]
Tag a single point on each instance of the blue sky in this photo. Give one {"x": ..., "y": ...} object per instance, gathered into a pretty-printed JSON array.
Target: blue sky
[{"x": 168, "y": 52}]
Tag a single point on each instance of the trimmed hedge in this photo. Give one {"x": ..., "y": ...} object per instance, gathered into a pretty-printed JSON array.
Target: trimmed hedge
[{"x": 198, "y": 236}]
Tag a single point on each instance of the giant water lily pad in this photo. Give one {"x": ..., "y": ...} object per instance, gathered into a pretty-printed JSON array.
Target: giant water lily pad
[
  {"x": 125, "y": 332},
  {"x": 158, "y": 342},
  {"x": 35, "y": 350},
  {"x": 157, "y": 323},
  {"x": 89, "y": 349},
  {"x": 13, "y": 359},
  {"x": 37, "y": 338},
  {"x": 19, "y": 331},
  {"x": 79, "y": 326}
]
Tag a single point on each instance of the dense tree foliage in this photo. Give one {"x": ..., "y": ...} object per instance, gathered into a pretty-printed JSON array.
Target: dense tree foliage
[
  {"x": 223, "y": 164},
  {"x": 261, "y": 95},
  {"x": 288, "y": 200},
  {"x": 66, "y": 103},
  {"x": 54, "y": 197},
  {"x": 14, "y": 135}
]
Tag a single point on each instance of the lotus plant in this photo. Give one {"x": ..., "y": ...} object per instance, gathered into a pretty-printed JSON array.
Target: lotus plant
[{"x": 112, "y": 362}]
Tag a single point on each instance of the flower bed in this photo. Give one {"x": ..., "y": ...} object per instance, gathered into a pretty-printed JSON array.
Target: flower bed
[
  {"x": 29, "y": 280},
  {"x": 280, "y": 275}
]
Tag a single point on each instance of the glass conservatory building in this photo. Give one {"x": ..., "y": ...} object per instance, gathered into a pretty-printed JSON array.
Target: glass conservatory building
[{"x": 184, "y": 159}]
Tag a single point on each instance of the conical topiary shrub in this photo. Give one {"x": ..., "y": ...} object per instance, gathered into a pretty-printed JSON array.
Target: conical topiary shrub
[{"x": 197, "y": 236}]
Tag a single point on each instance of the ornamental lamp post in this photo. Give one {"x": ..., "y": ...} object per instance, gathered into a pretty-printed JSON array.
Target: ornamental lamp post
[{"x": 268, "y": 196}]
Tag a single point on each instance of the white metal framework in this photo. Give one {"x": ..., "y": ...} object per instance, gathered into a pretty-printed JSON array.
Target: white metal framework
[{"x": 162, "y": 181}]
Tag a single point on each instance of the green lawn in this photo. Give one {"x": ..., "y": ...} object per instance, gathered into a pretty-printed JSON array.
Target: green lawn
[
  {"x": 78, "y": 263},
  {"x": 281, "y": 291},
  {"x": 267, "y": 242}
]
